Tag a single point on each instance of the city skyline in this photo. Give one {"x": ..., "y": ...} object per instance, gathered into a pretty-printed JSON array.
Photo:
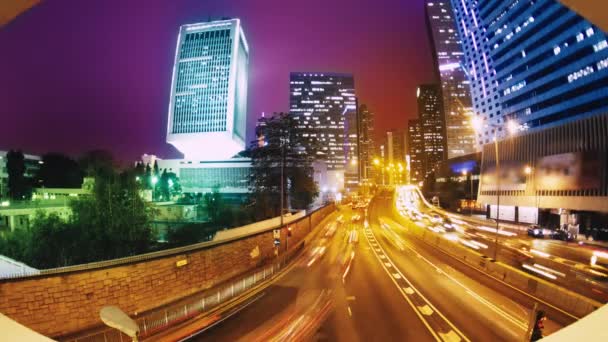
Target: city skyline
[{"x": 121, "y": 105}]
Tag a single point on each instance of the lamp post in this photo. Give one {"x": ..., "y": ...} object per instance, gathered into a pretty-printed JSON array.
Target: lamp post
[
  {"x": 464, "y": 173},
  {"x": 512, "y": 127},
  {"x": 529, "y": 171}
]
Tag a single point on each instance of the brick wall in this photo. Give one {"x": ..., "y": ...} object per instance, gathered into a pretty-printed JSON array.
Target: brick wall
[{"x": 69, "y": 300}]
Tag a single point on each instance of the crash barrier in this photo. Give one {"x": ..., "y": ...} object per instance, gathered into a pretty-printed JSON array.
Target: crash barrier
[{"x": 569, "y": 305}]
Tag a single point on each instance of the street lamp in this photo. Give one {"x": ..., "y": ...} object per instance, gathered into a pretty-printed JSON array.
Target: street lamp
[
  {"x": 528, "y": 170},
  {"x": 464, "y": 173},
  {"x": 512, "y": 128}
]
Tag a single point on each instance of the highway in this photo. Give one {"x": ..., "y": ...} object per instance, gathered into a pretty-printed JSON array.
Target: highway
[
  {"x": 372, "y": 281},
  {"x": 565, "y": 264},
  {"x": 366, "y": 304}
]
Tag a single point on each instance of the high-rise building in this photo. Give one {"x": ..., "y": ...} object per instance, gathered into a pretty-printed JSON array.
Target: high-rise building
[
  {"x": 432, "y": 125},
  {"x": 478, "y": 66},
  {"x": 551, "y": 64},
  {"x": 207, "y": 109},
  {"x": 325, "y": 106},
  {"x": 415, "y": 150},
  {"x": 547, "y": 65},
  {"x": 366, "y": 141},
  {"x": 456, "y": 95},
  {"x": 395, "y": 148}
]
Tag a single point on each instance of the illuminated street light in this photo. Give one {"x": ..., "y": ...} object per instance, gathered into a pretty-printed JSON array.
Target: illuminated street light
[
  {"x": 154, "y": 180},
  {"x": 353, "y": 162},
  {"x": 376, "y": 161},
  {"x": 527, "y": 170},
  {"x": 512, "y": 127}
]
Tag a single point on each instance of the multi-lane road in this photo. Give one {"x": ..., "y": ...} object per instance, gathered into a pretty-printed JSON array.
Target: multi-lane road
[
  {"x": 371, "y": 280},
  {"x": 565, "y": 264}
]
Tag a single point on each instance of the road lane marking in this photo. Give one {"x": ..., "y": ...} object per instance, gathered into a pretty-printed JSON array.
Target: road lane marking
[
  {"x": 462, "y": 336},
  {"x": 408, "y": 290},
  {"x": 351, "y": 298},
  {"x": 350, "y": 313},
  {"x": 450, "y": 336},
  {"x": 409, "y": 301},
  {"x": 425, "y": 310},
  {"x": 397, "y": 275},
  {"x": 388, "y": 264},
  {"x": 383, "y": 257}
]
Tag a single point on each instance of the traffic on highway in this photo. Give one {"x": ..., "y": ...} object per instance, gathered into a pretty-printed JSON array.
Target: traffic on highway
[{"x": 371, "y": 271}]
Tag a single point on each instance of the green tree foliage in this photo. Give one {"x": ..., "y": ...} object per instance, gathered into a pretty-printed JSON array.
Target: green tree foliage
[
  {"x": 282, "y": 145},
  {"x": 113, "y": 222},
  {"x": 19, "y": 187},
  {"x": 59, "y": 171}
]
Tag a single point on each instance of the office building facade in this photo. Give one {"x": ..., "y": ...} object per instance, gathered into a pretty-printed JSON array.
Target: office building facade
[
  {"x": 325, "y": 107},
  {"x": 366, "y": 142},
  {"x": 455, "y": 89},
  {"x": 432, "y": 125},
  {"x": 551, "y": 64},
  {"x": 564, "y": 182},
  {"x": 208, "y": 102},
  {"x": 479, "y": 68},
  {"x": 415, "y": 150}
]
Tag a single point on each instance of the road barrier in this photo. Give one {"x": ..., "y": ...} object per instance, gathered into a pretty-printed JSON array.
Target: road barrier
[{"x": 567, "y": 306}]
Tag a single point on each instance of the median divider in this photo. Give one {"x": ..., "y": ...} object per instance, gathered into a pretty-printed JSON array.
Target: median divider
[{"x": 568, "y": 305}]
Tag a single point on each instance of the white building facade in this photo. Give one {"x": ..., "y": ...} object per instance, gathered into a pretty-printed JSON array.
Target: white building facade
[{"x": 208, "y": 103}]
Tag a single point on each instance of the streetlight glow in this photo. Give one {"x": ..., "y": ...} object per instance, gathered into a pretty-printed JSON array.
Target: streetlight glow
[
  {"x": 477, "y": 123},
  {"x": 527, "y": 170},
  {"x": 512, "y": 127}
]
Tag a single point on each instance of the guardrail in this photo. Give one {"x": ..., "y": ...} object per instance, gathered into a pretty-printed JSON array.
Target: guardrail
[{"x": 162, "y": 319}]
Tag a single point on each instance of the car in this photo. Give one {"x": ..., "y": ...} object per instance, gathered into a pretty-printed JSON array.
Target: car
[
  {"x": 448, "y": 225},
  {"x": 564, "y": 235},
  {"x": 535, "y": 231}
]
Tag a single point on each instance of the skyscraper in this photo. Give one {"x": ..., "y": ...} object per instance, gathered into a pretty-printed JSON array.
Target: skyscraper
[
  {"x": 207, "y": 109},
  {"x": 547, "y": 65},
  {"x": 415, "y": 149},
  {"x": 322, "y": 104},
  {"x": 395, "y": 148},
  {"x": 551, "y": 64},
  {"x": 478, "y": 66},
  {"x": 432, "y": 125},
  {"x": 448, "y": 56},
  {"x": 366, "y": 141}
]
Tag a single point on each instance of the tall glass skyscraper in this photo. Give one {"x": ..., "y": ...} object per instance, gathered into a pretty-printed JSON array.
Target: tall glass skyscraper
[
  {"x": 479, "y": 68},
  {"x": 208, "y": 105},
  {"x": 546, "y": 65},
  {"x": 324, "y": 104},
  {"x": 448, "y": 56},
  {"x": 432, "y": 125},
  {"x": 415, "y": 149},
  {"x": 551, "y": 64}
]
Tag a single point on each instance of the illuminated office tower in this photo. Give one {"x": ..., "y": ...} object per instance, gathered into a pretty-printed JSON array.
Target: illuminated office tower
[
  {"x": 448, "y": 55},
  {"x": 551, "y": 64},
  {"x": 415, "y": 150},
  {"x": 207, "y": 109},
  {"x": 479, "y": 68},
  {"x": 432, "y": 125},
  {"x": 325, "y": 107},
  {"x": 366, "y": 141}
]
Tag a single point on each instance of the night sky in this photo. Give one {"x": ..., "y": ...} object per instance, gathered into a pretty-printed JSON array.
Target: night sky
[{"x": 79, "y": 75}]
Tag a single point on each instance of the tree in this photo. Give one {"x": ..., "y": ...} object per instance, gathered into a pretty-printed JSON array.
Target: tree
[
  {"x": 19, "y": 188},
  {"x": 97, "y": 162},
  {"x": 59, "y": 171},
  {"x": 283, "y": 145}
]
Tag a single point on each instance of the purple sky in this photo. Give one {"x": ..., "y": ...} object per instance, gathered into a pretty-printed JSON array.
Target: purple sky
[{"x": 78, "y": 75}]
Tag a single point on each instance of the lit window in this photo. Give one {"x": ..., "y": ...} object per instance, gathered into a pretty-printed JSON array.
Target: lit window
[
  {"x": 579, "y": 37},
  {"x": 556, "y": 50}
]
